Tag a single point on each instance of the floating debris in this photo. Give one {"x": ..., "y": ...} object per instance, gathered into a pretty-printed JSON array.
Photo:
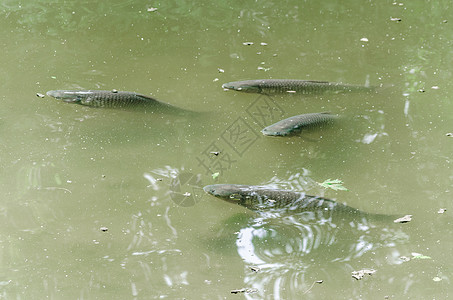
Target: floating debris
[
  {"x": 221, "y": 70},
  {"x": 405, "y": 219},
  {"x": 263, "y": 44},
  {"x": 319, "y": 281},
  {"x": 435, "y": 87},
  {"x": 421, "y": 90},
  {"x": 437, "y": 279},
  {"x": 441, "y": 210},
  {"x": 364, "y": 39},
  {"x": 151, "y": 9},
  {"x": 186, "y": 194},
  {"x": 215, "y": 175},
  {"x": 247, "y": 43},
  {"x": 40, "y": 95},
  {"x": 114, "y": 91},
  {"x": 264, "y": 69},
  {"x": 104, "y": 229},
  {"x": 336, "y": 184},
  {"x": 449, "y": 134},
  {"x": 244, "y": 290},
  {"x": 255, "y": 269},
  {"x": 416, "y": 255},
  {"x": 395, "y": 19},
  {"x": 445, "y": 21},
  {"x": 216, "y": 153},
  {"x": 359, "y": 274}
]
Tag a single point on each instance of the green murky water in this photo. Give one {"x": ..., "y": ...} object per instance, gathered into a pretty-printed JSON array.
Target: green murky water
[{"x": 68, "y": 171}]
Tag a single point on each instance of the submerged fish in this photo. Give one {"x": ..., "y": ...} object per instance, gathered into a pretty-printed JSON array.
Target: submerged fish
[
  {"x": 109, "y": 99},
  {"x": 296, "y": 123},
  {"x": 261, "y": 198},
  {"x": 276, "y": 86}
]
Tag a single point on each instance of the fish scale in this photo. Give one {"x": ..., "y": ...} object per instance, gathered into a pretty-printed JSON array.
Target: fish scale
[
  {"x": 276, "y": 86},
  {"x": 117, "y": 99},
  {"x": 262, "y": 198},
  {"x": 294, "y": 124},
  {"x": 111, "y": 99}
]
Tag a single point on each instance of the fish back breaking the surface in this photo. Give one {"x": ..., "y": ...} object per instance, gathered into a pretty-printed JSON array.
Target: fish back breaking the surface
[
  {"x": 261, "y": 198},
  {"x": 295, "y": 124}
]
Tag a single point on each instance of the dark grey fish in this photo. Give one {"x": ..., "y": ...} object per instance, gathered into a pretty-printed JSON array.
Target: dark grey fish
[
  {"x": 111, "y": 99},
  {"x": 278, "y": 86},
  {"x": 295, "y": 124},
  {"x": 261, "y": 198}
]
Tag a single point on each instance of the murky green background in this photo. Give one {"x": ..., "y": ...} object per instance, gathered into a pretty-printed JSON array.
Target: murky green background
[{"x": 67, "y": 171}]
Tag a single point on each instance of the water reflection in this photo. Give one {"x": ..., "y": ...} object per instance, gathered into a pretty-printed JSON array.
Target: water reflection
[
  {"x": 183, "y": 187},
  {"x": 285, "y": 248}
]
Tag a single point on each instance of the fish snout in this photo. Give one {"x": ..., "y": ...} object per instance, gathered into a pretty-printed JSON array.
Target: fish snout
[
  {"x": 227, "y": 87},
  {"x": 61, "y": 95},
  {"x": 54, "y": 94},
  {"x": 209, "y": 189}
]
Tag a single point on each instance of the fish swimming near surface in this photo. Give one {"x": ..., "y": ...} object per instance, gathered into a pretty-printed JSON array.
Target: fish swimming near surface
[
  {"x": 112, "y": 99},
  {"x": 278, "y": 86},
  {"x": 295, "y": 124},
  {"x": 262, "y": 198}
]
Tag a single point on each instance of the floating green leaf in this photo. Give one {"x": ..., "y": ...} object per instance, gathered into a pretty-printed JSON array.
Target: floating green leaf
[
  {"x": 419, "y": 256},
  {"x": 336, "y": 185},
  {"x": 215, "y": 175}
]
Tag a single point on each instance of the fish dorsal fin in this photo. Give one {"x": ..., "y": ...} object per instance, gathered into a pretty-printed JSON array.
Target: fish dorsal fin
[{"x": 318, "y": 81}]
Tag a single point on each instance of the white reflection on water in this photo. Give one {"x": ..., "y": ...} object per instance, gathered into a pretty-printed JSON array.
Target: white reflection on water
[
  {"x": 152, "y": 181},
  {"x": 166, "y": 172},
  {"x": 245, "y": 247},
  {"x": 167, "y": 219},
  {"x": 286, "y": 248}
]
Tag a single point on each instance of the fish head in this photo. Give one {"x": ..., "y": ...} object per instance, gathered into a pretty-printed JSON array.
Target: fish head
[
  {"x": 67, "y": 96},
  {"x": 242, "y": 87},
  {"x": 229, "y": 192},
  {"x": 269, "y": 131},
  {"x": 274, "y": 131}
]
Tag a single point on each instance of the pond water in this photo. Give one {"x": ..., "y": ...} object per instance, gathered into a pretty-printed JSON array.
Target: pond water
[{"x": 107, "y": 204}]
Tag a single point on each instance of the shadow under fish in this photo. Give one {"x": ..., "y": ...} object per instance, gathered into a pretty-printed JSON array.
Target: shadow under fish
[{"x": 116, "y": 99}]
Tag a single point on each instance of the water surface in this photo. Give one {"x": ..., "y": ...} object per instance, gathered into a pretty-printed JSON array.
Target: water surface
[{"x": 68, "y": 171}]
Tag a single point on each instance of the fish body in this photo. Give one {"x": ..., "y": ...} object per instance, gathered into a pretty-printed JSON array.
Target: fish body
[
  {"x": 109, "y": 99},
  {"x": 261, "y": 198},
  {"x": 295, "y": 124},
  {"x": 278, "y": 86}
]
